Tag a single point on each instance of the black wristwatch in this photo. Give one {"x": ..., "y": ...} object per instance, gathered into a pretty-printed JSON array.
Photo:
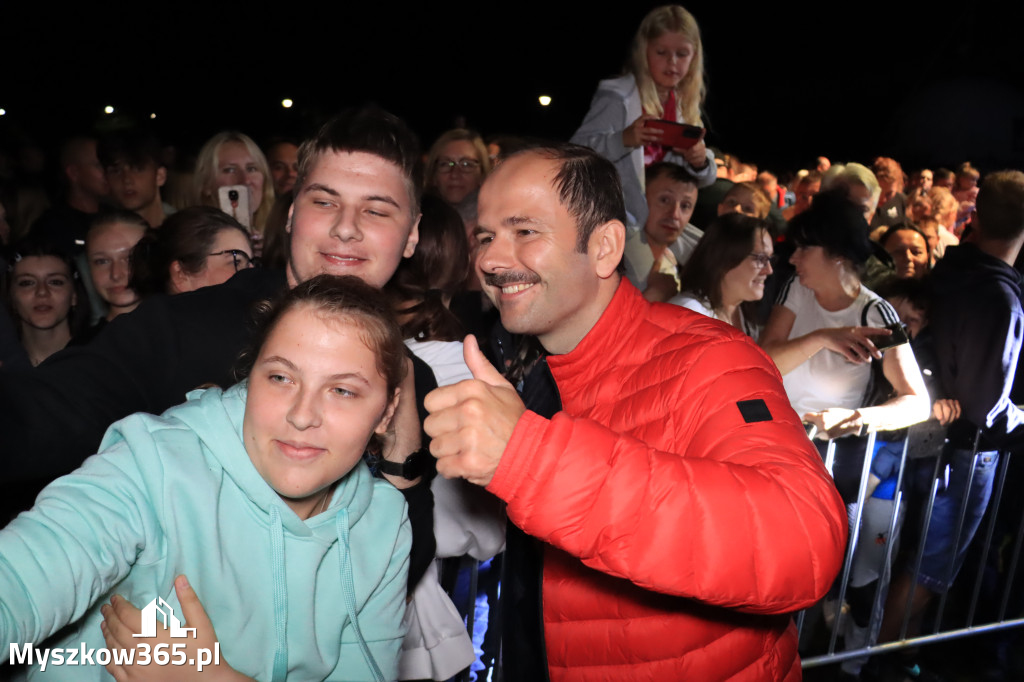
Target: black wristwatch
[{"x": 412, "y": 468}]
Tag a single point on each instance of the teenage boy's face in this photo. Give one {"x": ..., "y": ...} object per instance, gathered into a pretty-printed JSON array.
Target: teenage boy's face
[
  {"x": 353, "y": 215},
  {"x": 135, "y": 185}
]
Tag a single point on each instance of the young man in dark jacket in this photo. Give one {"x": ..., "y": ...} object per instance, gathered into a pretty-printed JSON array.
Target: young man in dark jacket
[{"x": 977, "y": 325}]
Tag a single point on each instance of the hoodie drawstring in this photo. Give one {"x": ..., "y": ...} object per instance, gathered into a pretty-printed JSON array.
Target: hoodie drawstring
[
  {"x": 280, "y": 596},
  {"x": 349, "y": 591}
]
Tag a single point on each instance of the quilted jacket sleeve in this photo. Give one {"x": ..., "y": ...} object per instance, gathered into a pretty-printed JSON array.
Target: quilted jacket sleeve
[{"x": 728, "y": 510}]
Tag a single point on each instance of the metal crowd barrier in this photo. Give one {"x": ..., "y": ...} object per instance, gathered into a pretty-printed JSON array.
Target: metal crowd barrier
[{"x": 942, "y": 629}]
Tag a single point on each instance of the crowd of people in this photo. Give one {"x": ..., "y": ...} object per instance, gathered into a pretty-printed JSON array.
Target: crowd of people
[{"x": 628, "y": 356}]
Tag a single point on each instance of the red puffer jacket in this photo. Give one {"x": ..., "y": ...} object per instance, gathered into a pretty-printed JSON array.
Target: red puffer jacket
[{"x": 681, "y": 531}]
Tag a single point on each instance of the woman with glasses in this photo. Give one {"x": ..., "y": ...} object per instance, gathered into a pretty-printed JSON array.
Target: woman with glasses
[
  {"x": 456, "y": 167},
  {"x": 728, "y": 269},
  {"x": 197, "y": 247}
]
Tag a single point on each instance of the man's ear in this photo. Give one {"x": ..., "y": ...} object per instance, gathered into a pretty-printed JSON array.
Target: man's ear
[
  {"x": 607, "y": 242},
  {"x": 161, "y": 176},
  {"x": 414, "y": 238}
]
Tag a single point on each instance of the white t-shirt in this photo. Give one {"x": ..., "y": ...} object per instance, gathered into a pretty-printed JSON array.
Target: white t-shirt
[
  {"x": 445, "y": 359},
  {"x": 699, "y": 305},
  {"x": 828, "y": 379}
]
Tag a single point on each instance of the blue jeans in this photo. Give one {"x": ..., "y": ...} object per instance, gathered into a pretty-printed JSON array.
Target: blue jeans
[{"x": 941, "y": 563}]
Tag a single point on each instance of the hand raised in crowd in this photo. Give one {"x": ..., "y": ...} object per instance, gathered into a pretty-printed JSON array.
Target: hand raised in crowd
[
  {"x": 472, "y": 421},
  {"x": 946, "y": 411},
  {"x": 696, "y": 155},
  {"x": 121, "y": 620},
  {"x": 660, "y": 287},
  {"x": 853, "y": 343},
  {"x": 637, "y": 134}
]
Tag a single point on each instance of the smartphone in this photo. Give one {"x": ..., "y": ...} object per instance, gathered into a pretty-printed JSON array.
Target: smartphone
[
  {"x": 898, "y": 337},
  {"x": 236, "y": 201},
  {"x": 678, "y": 135}
]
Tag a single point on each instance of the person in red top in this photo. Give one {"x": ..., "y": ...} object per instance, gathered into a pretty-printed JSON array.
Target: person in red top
[{"x": 678, "y": 510}]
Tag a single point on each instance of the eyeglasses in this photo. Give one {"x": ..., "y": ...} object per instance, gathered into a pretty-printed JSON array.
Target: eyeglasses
[
  {"x": 763, "y": 260},
  {"x": 241, "y": 259},
  {"x": 446, "y": 166}
]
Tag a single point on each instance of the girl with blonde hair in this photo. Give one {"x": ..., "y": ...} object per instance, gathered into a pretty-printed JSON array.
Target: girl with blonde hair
[
  {"x": 664, "y": 80},
  {"x": 232, "y": 158}
]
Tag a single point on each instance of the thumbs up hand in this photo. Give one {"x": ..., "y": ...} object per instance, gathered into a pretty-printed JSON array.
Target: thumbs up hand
[{"x": 472, "y": 421}]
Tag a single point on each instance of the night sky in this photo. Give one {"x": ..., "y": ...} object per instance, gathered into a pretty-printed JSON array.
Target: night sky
[{"x": 785, "y": 82}]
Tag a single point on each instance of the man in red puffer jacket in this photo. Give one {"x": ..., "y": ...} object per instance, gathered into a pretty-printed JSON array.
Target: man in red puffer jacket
[{"x": 676, "y": 506}]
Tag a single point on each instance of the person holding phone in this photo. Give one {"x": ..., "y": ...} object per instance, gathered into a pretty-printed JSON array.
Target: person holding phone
[
  {"x": 664, "y": 81},
  {"x": 230, "y": 159},
  {"x": 826, "y": 328}
]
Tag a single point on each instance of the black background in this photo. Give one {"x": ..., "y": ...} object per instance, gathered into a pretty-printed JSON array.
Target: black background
[{"x": 785, "y": 82}]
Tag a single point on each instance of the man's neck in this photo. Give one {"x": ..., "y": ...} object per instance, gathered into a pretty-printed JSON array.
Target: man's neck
[{"x": 1005, "y": 250}]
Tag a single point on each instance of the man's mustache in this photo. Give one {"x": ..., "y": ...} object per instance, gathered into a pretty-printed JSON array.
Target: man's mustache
[{"x": 503, "y": 279}]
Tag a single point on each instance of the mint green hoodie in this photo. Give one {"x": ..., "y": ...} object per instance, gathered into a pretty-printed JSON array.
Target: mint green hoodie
[{"x": 177, "y": 494}]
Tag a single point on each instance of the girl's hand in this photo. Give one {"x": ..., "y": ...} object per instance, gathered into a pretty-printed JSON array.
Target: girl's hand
[
  {"x": 836, "y": 421},
  {"x": 853, "y": 343},
  {"x": 696, "y": 155},
  {"x": 121, "y": 620},
  {"x": 637, "y": 134},
  {"x": 946, "y": 411}
]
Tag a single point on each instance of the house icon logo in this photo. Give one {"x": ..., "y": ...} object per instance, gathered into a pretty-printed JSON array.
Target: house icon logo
[{"x": 160, "y": 610}]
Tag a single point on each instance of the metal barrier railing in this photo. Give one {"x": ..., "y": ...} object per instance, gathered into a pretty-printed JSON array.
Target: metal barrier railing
[{"x": 870, "y": 644}]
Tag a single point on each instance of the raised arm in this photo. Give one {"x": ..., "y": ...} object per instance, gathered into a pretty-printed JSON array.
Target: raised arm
[
  {"x": 853, "y": 343},
  {"x": 82, "y": 537}
]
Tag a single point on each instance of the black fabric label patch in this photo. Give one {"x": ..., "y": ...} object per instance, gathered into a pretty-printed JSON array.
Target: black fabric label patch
[{"x": 754, "y": 411}]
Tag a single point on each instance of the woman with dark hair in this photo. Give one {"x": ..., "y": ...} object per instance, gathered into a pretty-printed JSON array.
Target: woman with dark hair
[
  {"x": 908, "y": 248},
  {"x": 822, "y": 334},
  {"x": 467, "y": 520},
  {"x": 196, "y": 247},
  {"x": 424, "y": 284},
  {"x": 822, "y": 331},
  {"x": 44, "y": 297},
  {"x": 727, "y": 269}
]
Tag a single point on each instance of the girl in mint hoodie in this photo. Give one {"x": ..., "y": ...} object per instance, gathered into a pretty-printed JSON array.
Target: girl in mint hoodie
[{"x": 258, "y": 494}]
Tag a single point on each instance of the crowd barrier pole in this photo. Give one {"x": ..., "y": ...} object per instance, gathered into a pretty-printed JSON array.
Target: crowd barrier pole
[{"x": 971, "y": 592}]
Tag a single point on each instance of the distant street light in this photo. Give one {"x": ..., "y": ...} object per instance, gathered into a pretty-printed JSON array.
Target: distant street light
[
  {"x": 287, "y": 103},
  {"x": 544, "y": 100},
  {"x": 108, "y": 109}
]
